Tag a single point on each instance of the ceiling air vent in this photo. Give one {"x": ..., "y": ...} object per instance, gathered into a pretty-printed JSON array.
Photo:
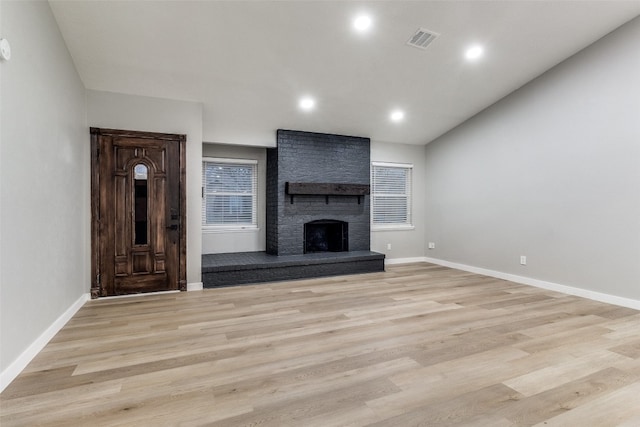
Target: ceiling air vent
[{"x": 422, "y": 38}]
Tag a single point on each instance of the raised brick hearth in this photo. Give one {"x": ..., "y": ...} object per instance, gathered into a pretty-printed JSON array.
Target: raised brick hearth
[{"x": 219, "y": 270}]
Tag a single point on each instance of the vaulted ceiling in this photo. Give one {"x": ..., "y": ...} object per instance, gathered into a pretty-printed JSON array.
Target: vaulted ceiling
[{"x": 250, "y": 62}]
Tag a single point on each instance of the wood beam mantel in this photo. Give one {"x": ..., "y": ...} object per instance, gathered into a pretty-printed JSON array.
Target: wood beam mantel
[{"x": 326, "y": 189}]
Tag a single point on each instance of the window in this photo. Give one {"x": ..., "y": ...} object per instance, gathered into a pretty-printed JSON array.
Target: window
[
  {"x": 391, "y": 195},
  {"x": 229, "y": 192}
]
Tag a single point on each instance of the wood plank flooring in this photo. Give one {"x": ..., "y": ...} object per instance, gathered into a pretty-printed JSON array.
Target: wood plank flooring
[{"x": 418, "y": 345}]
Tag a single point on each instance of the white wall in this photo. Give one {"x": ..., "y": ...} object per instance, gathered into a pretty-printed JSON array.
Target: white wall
[
  {"x": 131, "y": 112},
  {"x": 551, "y": 172},
  {"x": 251, "y": 240},
  {"x": 44, "y": 157},
  {"x": 405, "y": 244}
]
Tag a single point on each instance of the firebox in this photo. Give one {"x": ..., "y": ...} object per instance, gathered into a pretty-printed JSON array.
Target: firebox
[{"x": 326, "y": 235}]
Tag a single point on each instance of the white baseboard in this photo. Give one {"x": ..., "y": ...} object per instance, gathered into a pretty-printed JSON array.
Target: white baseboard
[
  {"x": 394, "y": 261},
  {"x": 593, "y": 295},
  {"x": 143, "y": 294},
  {"x": 197, "y": 286},
  {"x": 27, "y": 356}
]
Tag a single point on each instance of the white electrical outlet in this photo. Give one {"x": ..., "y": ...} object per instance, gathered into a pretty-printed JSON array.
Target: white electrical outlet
[
  {"x": 389, "y": 246},
  {"x": 432, "y": 245},
  {"x": 523, "y": 260}
]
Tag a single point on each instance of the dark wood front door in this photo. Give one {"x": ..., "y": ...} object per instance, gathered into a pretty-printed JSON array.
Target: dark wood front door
[{"x": 138, "y": 212}]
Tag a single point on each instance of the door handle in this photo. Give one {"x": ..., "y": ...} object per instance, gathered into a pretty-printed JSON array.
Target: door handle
[{"x": 172, "y": 227}]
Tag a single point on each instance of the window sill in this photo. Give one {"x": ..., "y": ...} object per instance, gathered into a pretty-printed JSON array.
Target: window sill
[
  {"x": 231, "y": 229},
  {"x": 393, "y": 227}
]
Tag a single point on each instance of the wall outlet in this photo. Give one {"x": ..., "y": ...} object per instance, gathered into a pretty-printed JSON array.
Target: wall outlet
[
  {"x": 432, "y": 245},
  {"x": 523, "y": 260},
  {"x": 388, "y": 246}
]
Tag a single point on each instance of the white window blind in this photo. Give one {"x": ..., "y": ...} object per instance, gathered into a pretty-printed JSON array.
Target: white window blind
[
  {"x": 229, "y": 191},
  {"x": 391, "y": 194}
]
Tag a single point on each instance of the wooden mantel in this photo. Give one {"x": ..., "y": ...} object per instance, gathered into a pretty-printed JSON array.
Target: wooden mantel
[{"x": 326, "y": 189}]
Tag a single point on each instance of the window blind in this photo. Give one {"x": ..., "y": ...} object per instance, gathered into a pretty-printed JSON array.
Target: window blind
[
  {"x": 391, "y": 194},
  {"x": 229, "y": 189}
]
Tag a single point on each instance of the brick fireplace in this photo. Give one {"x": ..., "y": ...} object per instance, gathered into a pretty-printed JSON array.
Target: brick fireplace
[{"x": 328, "y": 173}]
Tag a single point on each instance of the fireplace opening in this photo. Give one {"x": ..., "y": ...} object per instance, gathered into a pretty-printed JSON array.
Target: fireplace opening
[{"x": 326, "y": 235}]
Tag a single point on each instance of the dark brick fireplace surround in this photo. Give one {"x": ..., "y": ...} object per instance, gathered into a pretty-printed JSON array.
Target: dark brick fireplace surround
[
  {"x": 315, "y": 158},
  {"x": 333, "y": 164}
]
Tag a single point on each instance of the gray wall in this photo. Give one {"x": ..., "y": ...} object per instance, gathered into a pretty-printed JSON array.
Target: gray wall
[
  {"x": 44, "y": 176},
  {"x": 551, "y": 172},
  {"x": 214, "y": 242},
  {"x": 405, "y": 243},
  {"x": 131, "y": 112}
]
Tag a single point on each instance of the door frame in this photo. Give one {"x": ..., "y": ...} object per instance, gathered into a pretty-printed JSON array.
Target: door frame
[{"x": 96, "y": 287}]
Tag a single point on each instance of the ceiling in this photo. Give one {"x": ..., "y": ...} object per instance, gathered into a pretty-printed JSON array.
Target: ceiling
[{"x": 249, "y": 62}]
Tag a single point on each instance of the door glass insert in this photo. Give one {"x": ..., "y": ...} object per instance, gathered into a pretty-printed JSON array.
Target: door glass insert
[{"x": 140, "y": 204}]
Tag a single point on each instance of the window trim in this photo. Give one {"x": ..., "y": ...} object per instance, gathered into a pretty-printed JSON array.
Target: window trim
[
  {"x": 394, "y": 226},
  {"x": 223, "y": 228}
]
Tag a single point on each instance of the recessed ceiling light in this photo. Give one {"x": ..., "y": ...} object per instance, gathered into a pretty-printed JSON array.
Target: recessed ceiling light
[
  {"x": 397, "y": 116},
  {"x": 307, "y": 103},
  {"x": 474, "y": 52},
  {"x": 362, "y": 23}
]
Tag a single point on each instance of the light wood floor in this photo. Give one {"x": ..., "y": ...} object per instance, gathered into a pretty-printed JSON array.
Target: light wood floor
[{"x": 418, "y": 345}]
